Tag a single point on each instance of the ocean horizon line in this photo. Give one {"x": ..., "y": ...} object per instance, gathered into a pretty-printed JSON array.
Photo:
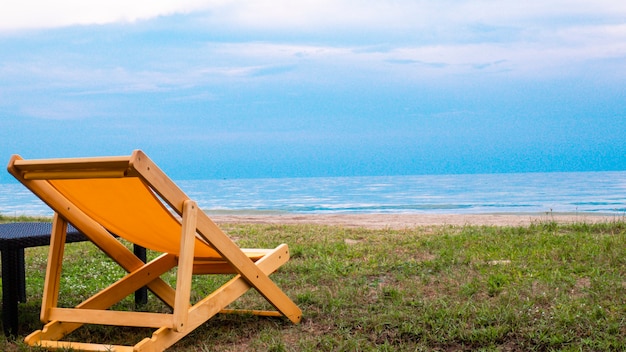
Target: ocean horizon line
[
  {"x": 6, "y": 179},
  {"x": 595, "y": 192}
]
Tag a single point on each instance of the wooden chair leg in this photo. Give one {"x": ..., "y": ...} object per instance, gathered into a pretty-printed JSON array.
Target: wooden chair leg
[{"x": 53, "y": 270}]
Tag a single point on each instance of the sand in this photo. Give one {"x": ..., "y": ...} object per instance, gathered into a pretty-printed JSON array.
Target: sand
[{"x": 400, "y": 221}]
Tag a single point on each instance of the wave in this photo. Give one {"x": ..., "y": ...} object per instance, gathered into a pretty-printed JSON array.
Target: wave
[{"x": 577, "y": 192}]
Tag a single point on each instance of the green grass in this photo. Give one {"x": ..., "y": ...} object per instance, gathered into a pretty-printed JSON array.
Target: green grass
[
  {"x": 23, "y": 218},
  {"x": 544, "y": 287}
]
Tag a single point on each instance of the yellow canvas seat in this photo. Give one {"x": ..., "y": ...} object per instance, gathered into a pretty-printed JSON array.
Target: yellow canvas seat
[{"x": 133, "y": 199}]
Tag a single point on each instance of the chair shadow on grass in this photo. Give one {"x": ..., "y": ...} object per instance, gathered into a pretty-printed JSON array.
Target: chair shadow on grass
[{"x": 229, "y": 329}]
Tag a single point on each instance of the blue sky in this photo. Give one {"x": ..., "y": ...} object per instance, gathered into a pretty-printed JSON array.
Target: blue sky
[{"x": 228, "y": 89}]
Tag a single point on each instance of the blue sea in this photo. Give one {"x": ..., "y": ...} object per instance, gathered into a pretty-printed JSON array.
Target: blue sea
[{"x": 566, "y": 192}]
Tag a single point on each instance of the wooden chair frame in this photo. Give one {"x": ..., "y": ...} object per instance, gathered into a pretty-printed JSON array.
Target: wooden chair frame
[{"x": 251, "y": 267}]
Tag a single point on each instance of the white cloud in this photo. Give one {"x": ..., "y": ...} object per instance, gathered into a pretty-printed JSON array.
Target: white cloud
[
  {"x": 227, "y": 63},
  {"x": 28, "y": 14},
  {"x": 307, "y": 15},
  {"x": 433, "y": 16},
  {"x": 469, "y": 37}
]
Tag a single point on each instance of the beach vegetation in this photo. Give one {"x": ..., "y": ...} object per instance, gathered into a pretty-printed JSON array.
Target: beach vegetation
[
  {"x": 23, "y": 218},
  {"x": 543, "y": 287}
]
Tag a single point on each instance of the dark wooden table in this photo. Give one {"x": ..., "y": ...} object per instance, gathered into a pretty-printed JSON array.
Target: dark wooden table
[{"x": 14, "y": 237}]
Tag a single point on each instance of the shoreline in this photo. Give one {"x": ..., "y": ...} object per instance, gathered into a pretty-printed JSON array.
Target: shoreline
[{"x": 401, "y": 221}]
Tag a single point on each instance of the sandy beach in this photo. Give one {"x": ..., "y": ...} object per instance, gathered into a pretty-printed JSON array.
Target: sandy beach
[{"x": 400, "y": 221}]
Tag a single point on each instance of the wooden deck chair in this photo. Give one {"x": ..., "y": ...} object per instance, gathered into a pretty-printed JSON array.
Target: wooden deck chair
[{"x": 133, "y": 199}]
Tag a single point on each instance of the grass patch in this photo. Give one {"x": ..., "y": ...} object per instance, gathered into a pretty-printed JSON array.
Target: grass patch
[
  {"x": 542, "y": 287},
  {"x": 23, "y": 218}
]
